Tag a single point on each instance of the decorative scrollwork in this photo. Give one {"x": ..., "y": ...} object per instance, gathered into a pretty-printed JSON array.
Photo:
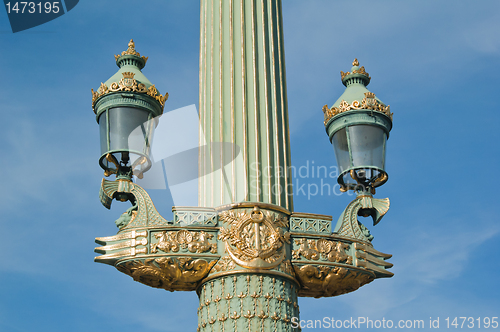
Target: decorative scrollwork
[
  {"x": 169, "y": 273},
  {"x": 128, "y": 84},
  {"x": 369, "y": 102},
  {"x": 195, "y": 242},
  {"x": 254, "y": 240}
]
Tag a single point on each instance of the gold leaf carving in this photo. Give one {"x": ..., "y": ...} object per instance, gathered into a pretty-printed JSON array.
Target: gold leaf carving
[
  {"x": 319, "y": 281},
  {"x": 167, "y": 272},
  {"x": 195, "y": 242},
  {"x": 224, "y": 264},
  {"x": 254, "y": 239},
  {"x": 131, "y": 51},
  {"x": 129, "y": 84},
  {"x": 333, "y": 251},
  {"x": 369, "y": 102}
]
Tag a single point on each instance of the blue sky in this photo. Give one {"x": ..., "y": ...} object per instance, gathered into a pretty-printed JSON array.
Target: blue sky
[{"x": 435, "y": 63}]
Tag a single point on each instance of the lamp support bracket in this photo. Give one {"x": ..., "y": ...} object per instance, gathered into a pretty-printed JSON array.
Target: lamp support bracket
[{"x": 364, "y": 205}]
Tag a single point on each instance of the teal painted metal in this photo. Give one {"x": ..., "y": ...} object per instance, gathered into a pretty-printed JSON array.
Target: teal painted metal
[
  {"x": 243, "y": 101},
  {"x": 358, "y": 117},
  {"x": 250, "y": 302}
]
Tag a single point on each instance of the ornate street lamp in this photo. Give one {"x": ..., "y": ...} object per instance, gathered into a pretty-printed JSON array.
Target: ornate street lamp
[
  {"x": 126, "y": 108},
  {"x": 244, "y": 250},
  {"x": 358, "y": 125}
]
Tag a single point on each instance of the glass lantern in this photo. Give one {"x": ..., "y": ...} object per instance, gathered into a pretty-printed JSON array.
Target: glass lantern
[
  {"x": 126, "y": 136},
  {"x": 360, "y": 153}
]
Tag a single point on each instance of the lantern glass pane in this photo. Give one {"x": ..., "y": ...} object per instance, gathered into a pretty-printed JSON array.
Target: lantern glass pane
[
  {"x": 367, "y": 145},
  {"x": 341, "y": 150},
  {"x": 103, "y": 124},
  {"x": 123, "y": 122}
]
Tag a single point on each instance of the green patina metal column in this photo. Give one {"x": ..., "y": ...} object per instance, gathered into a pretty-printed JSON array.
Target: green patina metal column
[{"x": 243, "y": 101}]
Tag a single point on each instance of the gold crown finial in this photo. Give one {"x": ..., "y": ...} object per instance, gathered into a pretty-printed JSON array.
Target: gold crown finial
[
  {"x": 131, "y": 51},
  {"x": 361, "y": 70}
]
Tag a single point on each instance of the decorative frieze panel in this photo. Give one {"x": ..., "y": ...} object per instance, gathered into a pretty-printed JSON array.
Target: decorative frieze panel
[
  {"x": 186, "y": 216},
  {"x": 183, "y": 241},
  {"x": 322, "y": 250}
]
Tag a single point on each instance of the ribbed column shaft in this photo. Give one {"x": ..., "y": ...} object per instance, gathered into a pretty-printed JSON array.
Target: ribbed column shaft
[
  {"x": 243, "y": 101},
  {"x": 242, "y": 303}
]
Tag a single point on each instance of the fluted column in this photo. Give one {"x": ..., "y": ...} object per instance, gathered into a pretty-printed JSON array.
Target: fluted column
[
  {"x": 243, "y": 101},
  {"x": 248, "y": 303}
]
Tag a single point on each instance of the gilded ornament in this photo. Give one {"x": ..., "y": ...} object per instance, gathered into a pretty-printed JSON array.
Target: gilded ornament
[
  {"x": 169, "y": 273},
  {"x": 224, "y": 264},
  {"x": 262, "y": 315},
  {"x": 195, "y": 242},
  {"x": 326, "y": 281},
  {"x": 369, "y": 102},
  {"x": 333, "y": 251},
  {"x": 254, "y": 240},
  {"x": 307, "y": 249},
  {"x": 361, "y": 70},
  {"x": 249, "y": 315},
  {"x": 129, "y": 84},
  {"x": 131, "y": 51}
]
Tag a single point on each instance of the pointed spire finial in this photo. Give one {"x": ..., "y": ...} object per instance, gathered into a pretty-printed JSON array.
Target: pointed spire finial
[{"x": 131, "y": 47}]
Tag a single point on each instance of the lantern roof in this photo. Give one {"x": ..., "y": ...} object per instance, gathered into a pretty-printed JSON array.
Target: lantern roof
[
  {"x": 129, "y": 78},
  {"x": 356, "y": 96}
]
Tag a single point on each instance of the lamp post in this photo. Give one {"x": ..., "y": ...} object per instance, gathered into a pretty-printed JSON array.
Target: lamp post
[{"x": 244, "y": 250}]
